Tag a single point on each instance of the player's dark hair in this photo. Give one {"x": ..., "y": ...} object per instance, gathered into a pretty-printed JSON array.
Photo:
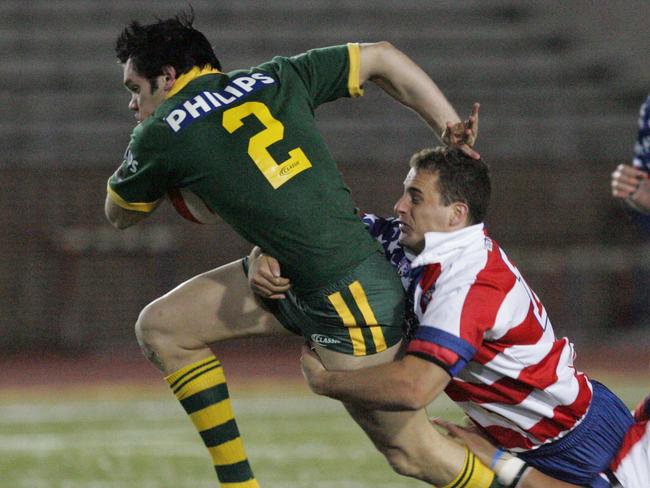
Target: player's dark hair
[
  {"x": 460, "y": 178},
  {"x": 170, "y": 42}
]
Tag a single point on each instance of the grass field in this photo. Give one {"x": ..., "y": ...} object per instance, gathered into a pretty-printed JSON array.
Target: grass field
[{"x": 130, "y": 436}]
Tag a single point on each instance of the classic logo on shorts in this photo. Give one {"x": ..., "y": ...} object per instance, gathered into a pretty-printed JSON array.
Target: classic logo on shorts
[{"x": 324, "y": 340}]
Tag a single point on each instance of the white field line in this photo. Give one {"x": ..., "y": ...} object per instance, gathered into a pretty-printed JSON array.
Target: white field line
[
  {"x": 39, "y": 483},
  {"x": 203, "y": 482},
  {"x": 174, "y": 443},
  {"x": 157, "y": 410}
]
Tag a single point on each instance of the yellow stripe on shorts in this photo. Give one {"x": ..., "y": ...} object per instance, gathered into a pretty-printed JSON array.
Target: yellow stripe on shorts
[
  {"x": 362, "y": 302},
  {"x": 244, "y": 484},
  {"x": 356, "y": 336},
  {"x": 336, "y": 299}
]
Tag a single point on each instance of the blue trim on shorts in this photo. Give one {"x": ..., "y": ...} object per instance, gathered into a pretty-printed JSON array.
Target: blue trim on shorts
[{"x": 588, "y": 449}]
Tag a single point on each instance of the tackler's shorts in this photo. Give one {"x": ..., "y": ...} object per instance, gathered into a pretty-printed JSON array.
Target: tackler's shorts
[
  {"x": 362, "y": 313},
  {"x": 589, "y": 448}
]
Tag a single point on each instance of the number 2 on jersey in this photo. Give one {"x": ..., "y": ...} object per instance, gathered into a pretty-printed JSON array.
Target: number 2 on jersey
[{"x": 276, "y": 173}]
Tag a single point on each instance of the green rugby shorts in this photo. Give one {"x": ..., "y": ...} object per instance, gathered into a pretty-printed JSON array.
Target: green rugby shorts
[{"x": 360, "y": 314}]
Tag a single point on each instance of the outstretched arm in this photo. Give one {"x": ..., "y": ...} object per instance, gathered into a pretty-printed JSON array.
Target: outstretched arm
[
  {"x": 401, "y": 78},
  {"x": 487, "y": 453},
  {"x": 409, "y": 383}
]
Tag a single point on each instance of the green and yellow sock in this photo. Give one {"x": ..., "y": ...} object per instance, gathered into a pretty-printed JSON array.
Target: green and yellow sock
[
  {"x": 201, "y": 388},
  {"x": 474, "y": 474}
]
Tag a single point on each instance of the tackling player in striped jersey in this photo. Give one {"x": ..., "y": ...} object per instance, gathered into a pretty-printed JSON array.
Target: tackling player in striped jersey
[
  {"x": 483, "y": 335},
  {"x": 630, "y": 467}
]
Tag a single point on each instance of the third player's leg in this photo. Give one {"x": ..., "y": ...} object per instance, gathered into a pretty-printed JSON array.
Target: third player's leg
[
  {"x": 407, "y": 440},
  {"x": 178, "y": 328}
]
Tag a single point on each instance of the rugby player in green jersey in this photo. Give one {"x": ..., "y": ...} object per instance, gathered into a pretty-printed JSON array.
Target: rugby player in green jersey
[{"x": 244, "y": 145}]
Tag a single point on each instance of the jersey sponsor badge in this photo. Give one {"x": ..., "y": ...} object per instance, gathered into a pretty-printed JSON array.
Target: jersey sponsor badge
[
  {"x": 129, "y": 161},
  {"x": 128, "y": 167},
  {"x": 208, "y": 102}
]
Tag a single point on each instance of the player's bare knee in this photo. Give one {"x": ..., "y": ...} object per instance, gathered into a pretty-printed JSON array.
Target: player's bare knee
[{"x": 154, "y": 326}]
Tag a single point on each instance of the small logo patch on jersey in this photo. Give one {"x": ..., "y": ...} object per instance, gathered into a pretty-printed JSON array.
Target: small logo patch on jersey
[
  {"x": 425, "y": 299},
  {"x": 128, "y": 167},
  {"x": 288, "y": 168},
  {"x": 130, "y": 161},
  {"x": 323, "y": 339}
]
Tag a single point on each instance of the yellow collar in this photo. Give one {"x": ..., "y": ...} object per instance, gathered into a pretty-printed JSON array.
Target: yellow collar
[{"x": 182, "y": 81}]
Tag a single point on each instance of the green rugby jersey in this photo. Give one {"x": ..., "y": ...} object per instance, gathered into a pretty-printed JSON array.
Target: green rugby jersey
[{"x": 247, "y": 145}]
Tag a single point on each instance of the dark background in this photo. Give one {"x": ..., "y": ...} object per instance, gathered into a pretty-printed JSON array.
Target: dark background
[{"x": 560, "y": 83}]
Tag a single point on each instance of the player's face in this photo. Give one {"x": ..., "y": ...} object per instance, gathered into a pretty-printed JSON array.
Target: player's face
[
  {"x": 420, "y": 210},
  {"x": 144, "y": 101}
]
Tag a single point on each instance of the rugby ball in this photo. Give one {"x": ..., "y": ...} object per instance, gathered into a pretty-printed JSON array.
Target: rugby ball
[{"x": 191, "y": 207}]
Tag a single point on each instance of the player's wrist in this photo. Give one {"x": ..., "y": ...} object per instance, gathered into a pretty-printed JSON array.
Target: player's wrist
[
  {"x": 639, "y": 199},
  {"x": 454, "y": 135},
  {"x": 509, "y": 469}
]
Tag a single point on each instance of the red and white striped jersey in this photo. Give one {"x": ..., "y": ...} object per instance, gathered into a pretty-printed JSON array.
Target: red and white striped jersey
[
  {"x": 480, "y": 321},
  {"x": 632, "y": 463}
]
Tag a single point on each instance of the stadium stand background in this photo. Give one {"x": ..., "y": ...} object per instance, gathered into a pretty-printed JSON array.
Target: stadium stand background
[{"x": 560, "y": 83}]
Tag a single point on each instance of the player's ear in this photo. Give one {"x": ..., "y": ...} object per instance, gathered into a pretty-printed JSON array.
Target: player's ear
[
  {"x": 169, "y": 72},
  {"x": 459, "y": 215}
]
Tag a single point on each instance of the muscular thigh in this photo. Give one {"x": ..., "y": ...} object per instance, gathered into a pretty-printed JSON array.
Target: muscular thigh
[
  {"x": 408, "y": 432},
  {"x": 380, "y": 426},
  {"x": 218, "y": 305},
  {"x": 338, "y": 360}
]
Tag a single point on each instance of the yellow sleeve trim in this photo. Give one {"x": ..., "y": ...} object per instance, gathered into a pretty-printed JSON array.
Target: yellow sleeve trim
[
  {"x": 135, "y": 206},
  {"x": 354, "y": 52}
]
